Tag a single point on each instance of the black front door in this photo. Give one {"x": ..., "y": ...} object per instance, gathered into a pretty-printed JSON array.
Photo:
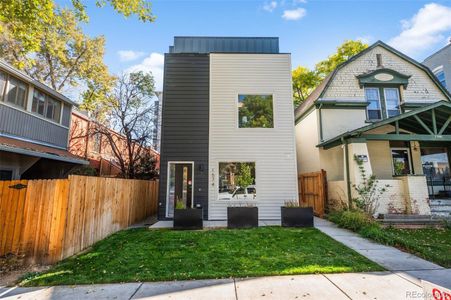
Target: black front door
[{"x": 180, "y": 186}]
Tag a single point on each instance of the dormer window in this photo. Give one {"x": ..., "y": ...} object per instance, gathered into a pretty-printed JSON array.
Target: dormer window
[
  {"x": 383, "y": 102},
  {"x": 382, "y": 91}
]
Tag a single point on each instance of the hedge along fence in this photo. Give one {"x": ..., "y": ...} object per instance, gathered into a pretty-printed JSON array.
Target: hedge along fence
[{"x": 48, "y": 220}]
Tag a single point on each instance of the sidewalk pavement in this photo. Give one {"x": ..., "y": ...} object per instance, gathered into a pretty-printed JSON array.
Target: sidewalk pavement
[
  {"x": 401, "y": 281},
  {"x": 374, "y": 285}
]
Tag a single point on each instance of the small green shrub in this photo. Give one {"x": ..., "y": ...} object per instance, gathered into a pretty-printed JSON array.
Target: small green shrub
[{"x": 351, "y": 219}]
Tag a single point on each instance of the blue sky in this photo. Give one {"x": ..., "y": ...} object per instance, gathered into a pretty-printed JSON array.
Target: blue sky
[{"x": 310, "y": 30}]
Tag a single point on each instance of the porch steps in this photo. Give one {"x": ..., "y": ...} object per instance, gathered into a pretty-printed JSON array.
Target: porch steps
[
  {"x": 440, "y": 207},
  {"x": 407, "y": 221}
]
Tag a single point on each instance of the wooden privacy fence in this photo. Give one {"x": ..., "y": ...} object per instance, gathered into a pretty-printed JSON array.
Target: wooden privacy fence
[
  {"x": 313, "y": 191},
  {"x": 48, "y": 220}
]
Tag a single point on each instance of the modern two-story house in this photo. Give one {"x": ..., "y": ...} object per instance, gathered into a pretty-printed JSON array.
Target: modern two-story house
[
  {"x": 34, "y": 128},
  {"x": 227, "y": 126},
  {"x": 388, "y": 112},
  {"x": 440, "y": 64}
]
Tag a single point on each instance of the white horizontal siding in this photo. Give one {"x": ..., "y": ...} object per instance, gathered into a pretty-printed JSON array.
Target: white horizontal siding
[{"x": 272, "y": 149}]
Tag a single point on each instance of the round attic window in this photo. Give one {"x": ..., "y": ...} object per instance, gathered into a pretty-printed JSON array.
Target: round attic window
[{"x": 383, "y": 77}]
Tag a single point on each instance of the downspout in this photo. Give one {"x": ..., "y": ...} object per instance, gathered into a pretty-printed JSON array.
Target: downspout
[
  {"x": 348, "y": 180},
  {"x": 320, "y": 123}
]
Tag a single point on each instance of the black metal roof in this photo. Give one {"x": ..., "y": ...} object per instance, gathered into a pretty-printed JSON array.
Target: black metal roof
[{"x": 202, "y": 44}]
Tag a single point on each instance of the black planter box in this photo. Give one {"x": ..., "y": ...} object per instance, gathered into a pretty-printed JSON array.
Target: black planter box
[
  {"x": 297, "y": 216},
  {"x": 242, "y": 217},
  {"x": 190, "y": 218}
]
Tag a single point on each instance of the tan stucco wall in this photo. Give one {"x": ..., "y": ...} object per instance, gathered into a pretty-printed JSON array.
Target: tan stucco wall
[
  {"x": 338, "y": 121},
  {"x": 380, "y": 156},
  {"x": 306, "y": 140},
  {"x": 332, "y": 161},
  {"x": 345, "y": 84}
]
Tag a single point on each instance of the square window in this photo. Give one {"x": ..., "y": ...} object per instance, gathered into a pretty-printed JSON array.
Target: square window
[
  {"x": 17, "y": 92},
  {"x": 237, "y": 181},
  {"x": 255, "y": 111},
  {"x": 401, "y": 161}
]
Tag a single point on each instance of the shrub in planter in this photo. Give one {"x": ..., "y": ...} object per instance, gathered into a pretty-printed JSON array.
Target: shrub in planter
[
  {"x": 295, "y": 216},
  {"x": 187, "y": 218},
  {"x": 242, "y": 216}
]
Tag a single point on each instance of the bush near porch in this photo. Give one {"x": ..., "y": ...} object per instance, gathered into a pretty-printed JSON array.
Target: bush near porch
[
  {"x": 433, "y": 244},
  {"x": 152, "y": 255}
]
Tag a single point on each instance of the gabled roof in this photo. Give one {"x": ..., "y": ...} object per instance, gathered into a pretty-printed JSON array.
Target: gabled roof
[
  {"x": 433, "y": 120},
  {"x": 320, "y": 90}
]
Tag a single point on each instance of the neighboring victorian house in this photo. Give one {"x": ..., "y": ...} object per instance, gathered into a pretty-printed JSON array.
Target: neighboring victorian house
[
  {"x": 227, "y": 126},
  {"x": 391, "y": 113},
  {"x": 440, "y": 64},
  {"x": 34, "y": 128},
  {"x": 95, "y": 148}
]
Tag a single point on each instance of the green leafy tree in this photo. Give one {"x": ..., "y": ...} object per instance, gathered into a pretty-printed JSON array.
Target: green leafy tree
[
  {"x": 304, "y": 82},
  {"x": 47, "y": 43},
  {"x": 25, "y": 20},
  {"x": 245, "y": 178},
  {"x": 344, "y": 52},
  {"x": 66, "y": 58}
]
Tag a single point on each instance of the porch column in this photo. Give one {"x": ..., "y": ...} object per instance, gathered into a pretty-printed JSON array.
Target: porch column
[{"x": 360, "y": 150}]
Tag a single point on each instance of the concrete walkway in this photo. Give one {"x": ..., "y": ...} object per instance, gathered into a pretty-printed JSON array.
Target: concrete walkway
[
  {"x": 404, "y": 264},
  {"x": 375, "y": 285}
]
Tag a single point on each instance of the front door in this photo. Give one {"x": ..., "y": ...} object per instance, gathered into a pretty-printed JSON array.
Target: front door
[{"x": 180, "y": 186}]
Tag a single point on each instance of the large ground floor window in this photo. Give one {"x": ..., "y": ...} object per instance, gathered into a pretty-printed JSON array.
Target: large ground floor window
[
  {"x": 436, "y": 167},
  {"x": 237, "y": 181}
]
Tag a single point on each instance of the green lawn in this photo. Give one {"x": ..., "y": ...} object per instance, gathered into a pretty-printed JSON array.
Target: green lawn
[
  {"x": 151, "y": 255},
  {"x": 433, "y": 244}
]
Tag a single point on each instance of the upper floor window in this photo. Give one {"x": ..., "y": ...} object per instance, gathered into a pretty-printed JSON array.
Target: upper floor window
[
  {"x": 16, "y": 92},
  {"x": 255, "y": 111},
  {"x": 441, "y": 76},
  {"x": 391, "y": 101},
  {"x": 383, "y": 102},
  {"x": 46, "y": 106},
  {"x": 2, "y": 84}
]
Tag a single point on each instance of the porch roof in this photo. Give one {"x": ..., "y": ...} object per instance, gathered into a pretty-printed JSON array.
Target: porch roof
[{"x": 427, "y": 123}]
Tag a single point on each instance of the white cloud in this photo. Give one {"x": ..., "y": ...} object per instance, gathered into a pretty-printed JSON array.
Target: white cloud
[
  {"x": 424, "y": 30},
  {"x": 153, "y": 63},
  {"x": 294, "y": 14},
  {"x": 299, "y": 1},
  {"x": 130, "y": 55},
  {"x": 270, "y": 6}
]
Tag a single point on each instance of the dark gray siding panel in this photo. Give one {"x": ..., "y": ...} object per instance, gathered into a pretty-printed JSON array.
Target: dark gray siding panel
[
  {"x": 184, "y": 134},
  {"x": 21, "y": 124},
  {"x": 187, "y": 44}
]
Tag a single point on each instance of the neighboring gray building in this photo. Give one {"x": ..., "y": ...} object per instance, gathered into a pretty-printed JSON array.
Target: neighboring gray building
[
  {"x": 440, "y": 65},
  {"x": 34, "y": 128},
  {"x": 227, "y": 134}
]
